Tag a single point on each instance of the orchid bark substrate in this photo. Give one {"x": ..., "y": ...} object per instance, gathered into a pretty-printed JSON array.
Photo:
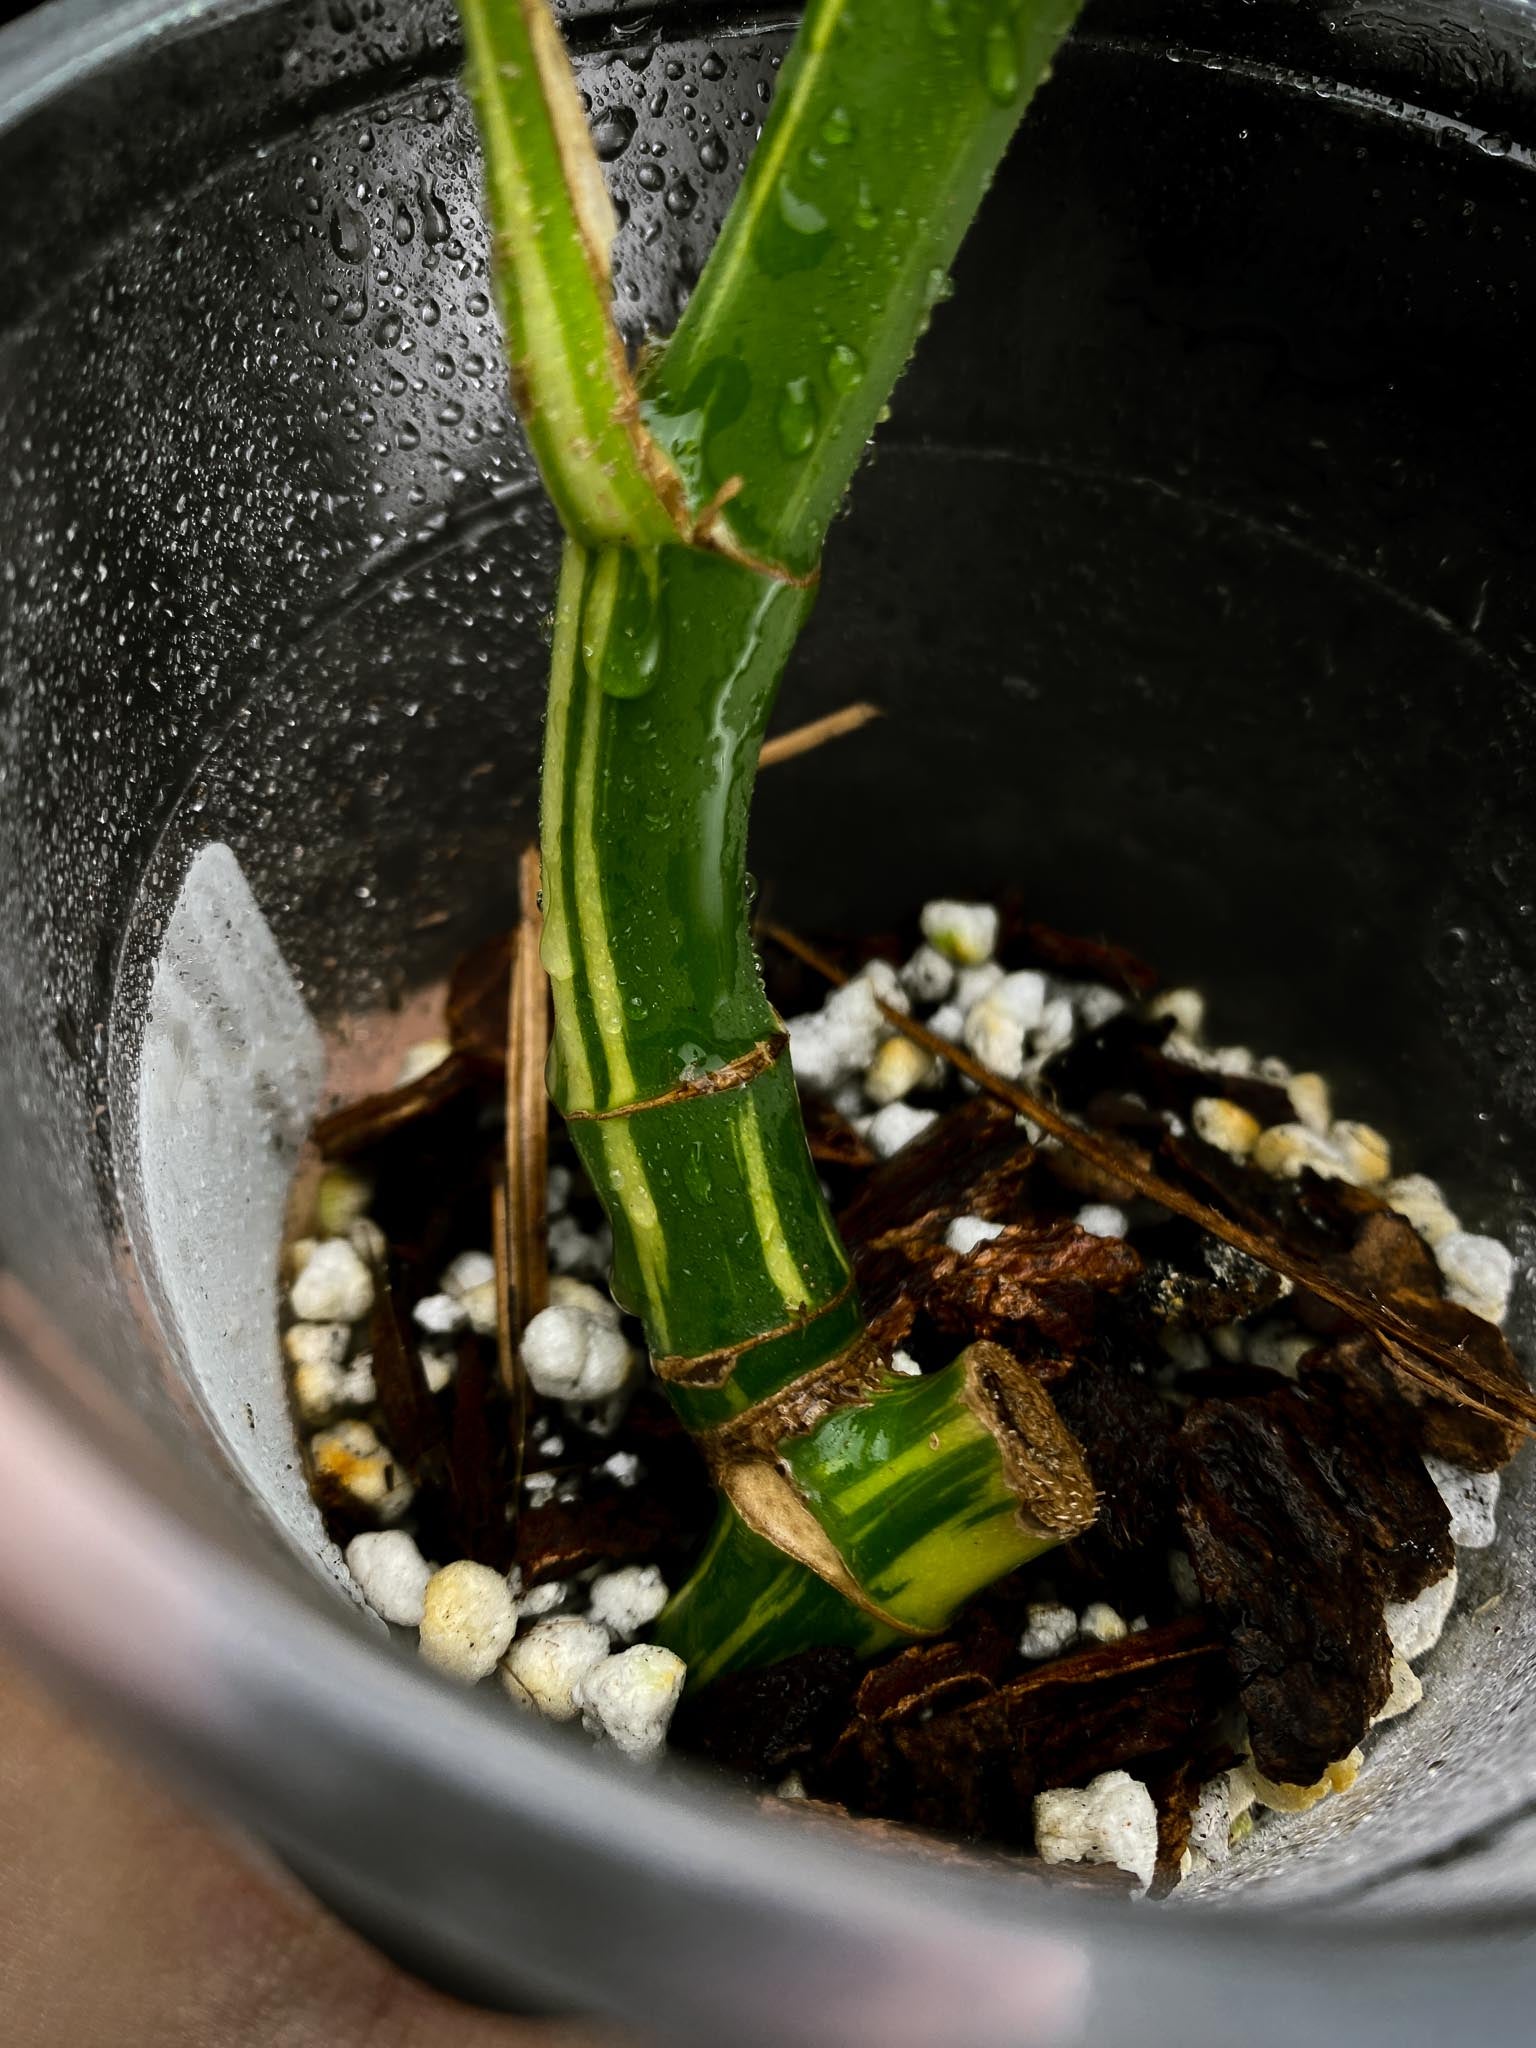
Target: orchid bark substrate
[{"x": 857, "y": 1506}]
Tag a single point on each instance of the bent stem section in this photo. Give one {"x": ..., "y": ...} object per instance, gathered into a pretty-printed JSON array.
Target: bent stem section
[{"x": 857, "y": 1504}]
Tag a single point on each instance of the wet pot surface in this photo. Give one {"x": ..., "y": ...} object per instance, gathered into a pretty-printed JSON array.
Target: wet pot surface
[{"x": 1191, "y": 572}]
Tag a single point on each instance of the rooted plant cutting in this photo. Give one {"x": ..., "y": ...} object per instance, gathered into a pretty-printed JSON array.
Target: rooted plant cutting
[{"x": 1047, "y": 1395}]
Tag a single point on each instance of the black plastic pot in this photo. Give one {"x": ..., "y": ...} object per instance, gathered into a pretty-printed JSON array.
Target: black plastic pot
[{"x": 1194, "y": 573}]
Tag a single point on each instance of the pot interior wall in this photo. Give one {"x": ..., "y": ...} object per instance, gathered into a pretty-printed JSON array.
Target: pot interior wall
[{"x": 1191, "y": 573}]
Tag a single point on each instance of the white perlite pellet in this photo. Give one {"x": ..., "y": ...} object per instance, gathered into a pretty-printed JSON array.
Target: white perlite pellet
[
  {"x": 546, "y": 1599},
  {"x": 928, "y": 977},
  {"x": 391, "y": 1574},
  {"x": 468, "y": 1617},
  {"x": 334, "y": 1286},
  {"x": 1111, "y": 1820},
  {"x": 1365, "y": 1152},
  {"x": 1479, "y": 1273},
  {"x": 322, "y": 1390},
  {"x": 905, "y": 1366},
  {"x": 320, "y": 1347},
  {"x": 897, "y": 1068},
  {"x": 833, "y": 1044},
  {"x": 1093, "y": 1005},
  {"x": 967, "y": 1232},
  {"x": 1225, "y": 1124},
  {"x": 571, "y": 1354},
  {"x": 628, "y": 1600},
  {"x": 629, "y": 1699},
  {"x": 1051, "y": 1629},
  {"x": 467, "y": 1272},
  {"x": 996, "y": 1036},
  {"x": 1284, "y": 1149},
  {"x": 1407, "y": 1689},
  {"x": 1102, "y": 1219},
  {"x": 896, "y": 1125},
  {"x": 1102, "y": 1623},
  {"x": 963, "y": 932},
  {"x": 1472, "y": 1499},
  {"x": 1415, "y": 1626},
  {"x": 543, "y": 1668},
  {"x": 1312, "y": 1101},
  {"x": 353, "y": 1456},
  {"x": 439, "y": 1315},
  {"x": 481, "y": 1305},
  {"x": 1417, "y": 1197},
  {"x": 1186, "y": 1008},
  {"x": 568, "y": 1292}
]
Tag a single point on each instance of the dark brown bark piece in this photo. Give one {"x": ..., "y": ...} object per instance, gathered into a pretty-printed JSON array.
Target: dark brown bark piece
[
  {"x": 1364, "y": 1441},
  {"x": 478, "y": 1460},
  {"x": 764, "y": 1723},
  {"x": 975, "y": 1769},
  {"x": 1197, "y": 1283},
  {"x": 1044, "y": 1275},
  {"x": 1483, "y": 1443},
  {"x": 925, "y": 1678},
  {"x": 974, "y": 1161},
  {"x": 1126, "y": 1432},
  {"x": 1280, "y": 1555}
]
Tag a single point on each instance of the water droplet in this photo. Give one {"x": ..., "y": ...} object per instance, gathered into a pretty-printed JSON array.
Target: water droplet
[
  {"x": 450, "y": 413},
  {"x": 405, "y": 227},
  {"x": 437, "y": 106},
  {"x": 797, "y": 417},
  {"x": 443, "y": 365},
  {"x": 681, "y": 199},
  {"x": 713, "y": 66},
  {"x": 1000, "y": 64},
  {"x": 387, "y": 333},
  {"x": 474, "y": 366},
  {"x": 650, "y": 178},
  {"x": 435, "y": 224},
  {"x": 612, "y": 132},
  {"x": 837, "y": 128},
  {"x": 866, "y": 215},
  {"x": 656, "y": 105},
  {"x": 349, "y": 233},
  {"x": 354, "y": 307},
  {"x": 408, "y": 434},
  {"x": 713, "y": 154},
  {"x": 845, "y": 366},
  {"x": 477, "y": 305},
  {"x": 429, "y": 311}
]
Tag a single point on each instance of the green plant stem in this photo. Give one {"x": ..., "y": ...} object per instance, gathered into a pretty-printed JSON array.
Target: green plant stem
[{"x": 855, "y": 1503}]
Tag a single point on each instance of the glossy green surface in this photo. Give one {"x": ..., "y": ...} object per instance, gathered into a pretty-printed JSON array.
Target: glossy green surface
[
  {"x": 888, "y": 122},
  {"x": 748, "y": 1604},
  {"x": 552, "y": 228},
  {"x": 911, "y": 1490}
]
